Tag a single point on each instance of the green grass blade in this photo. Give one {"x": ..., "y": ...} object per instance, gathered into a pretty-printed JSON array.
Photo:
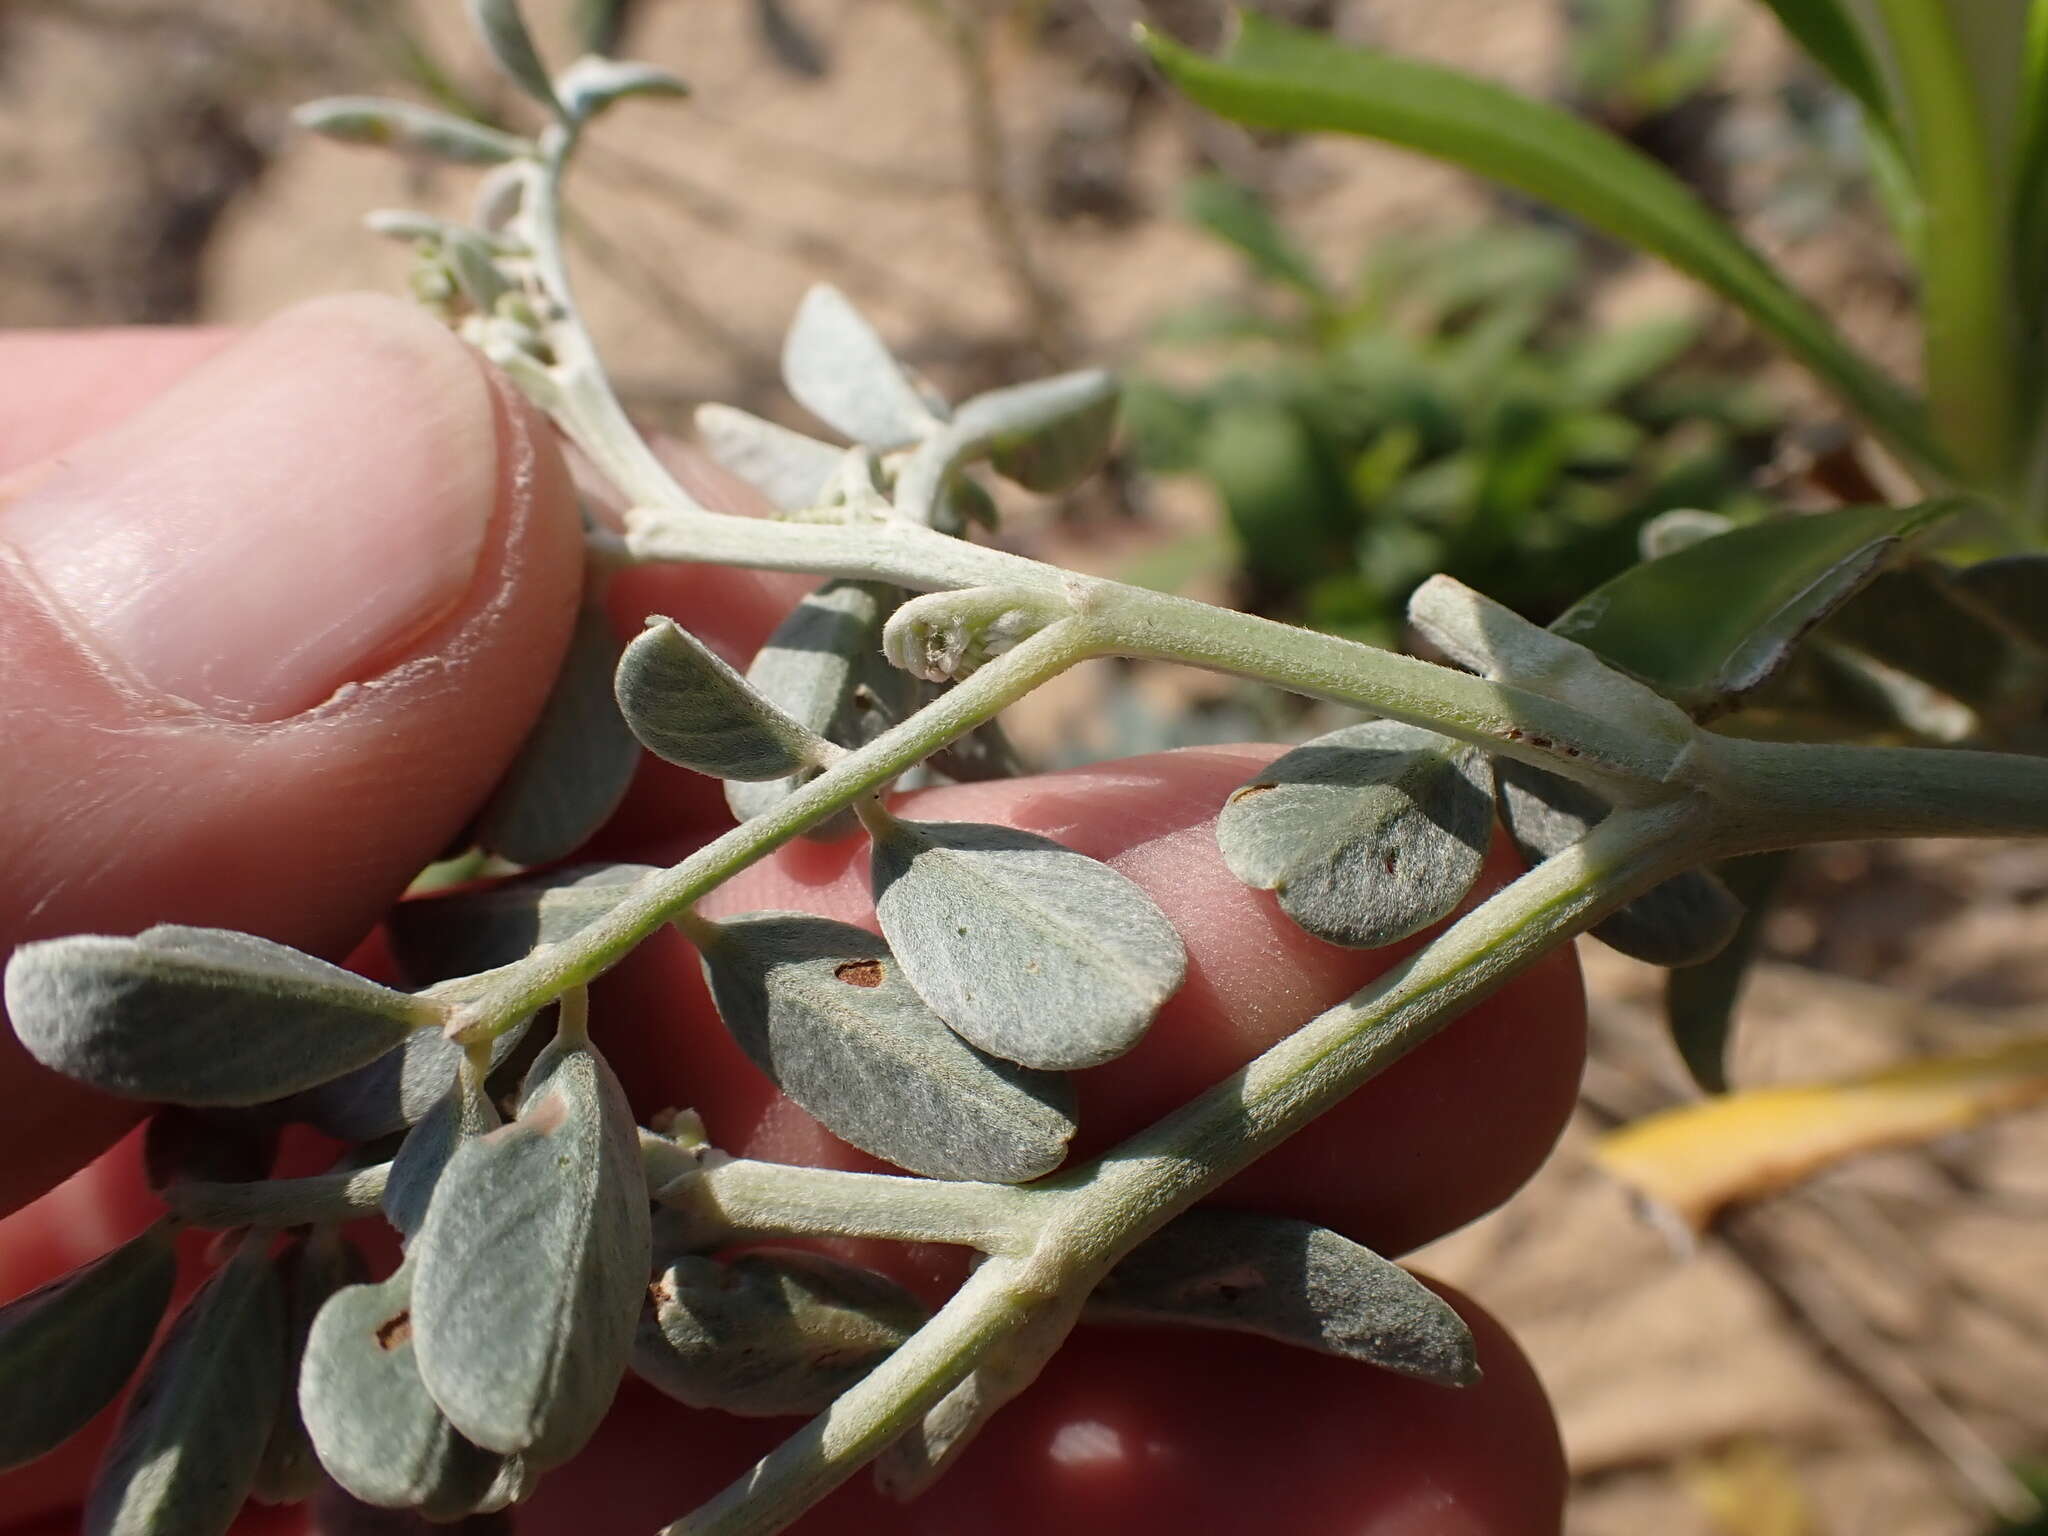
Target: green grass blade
[
  {"x": 1279, "y": 77},
  {"x": 1828, "y": 33}
]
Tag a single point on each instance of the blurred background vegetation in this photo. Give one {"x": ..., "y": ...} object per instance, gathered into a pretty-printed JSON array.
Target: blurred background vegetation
[{"x": 1348, "y": 368}]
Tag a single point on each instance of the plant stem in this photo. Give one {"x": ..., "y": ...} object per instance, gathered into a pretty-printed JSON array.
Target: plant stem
[
  {"x": 527, "y": 985},
  {"x": 1132, "y": 621},
  {"x": 577, "y": 392},
  {"x": 1774, "y": 794},
  {"x": 1096, "y": 1214},
  {"x": 280, "y": 1202},
  {"x": 742, "y": 1198}
]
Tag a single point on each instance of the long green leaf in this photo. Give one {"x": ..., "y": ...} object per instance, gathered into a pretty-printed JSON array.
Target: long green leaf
[
  {"x": 1708, "y": 623},
  {"x": 1957, "y": 128},
  {"x": 1280, "y": 77},
  {"x": 1828, "y": 33}
]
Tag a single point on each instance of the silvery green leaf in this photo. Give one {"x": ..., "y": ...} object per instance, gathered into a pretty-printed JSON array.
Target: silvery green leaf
[
  {"x": 463, "y": 1112},
  {"x": 504, "y": 32},
  {"x": 768, "y": 1333},
  {"x": 791, "y": 470},
  {"x": 1045, "y": 435},
  {"x": 824, "y": 666},
  {"x": 823, "y": 1008},
  {"x": 441, "y": 937},
  {"x": 688, "y": 707},
  {"x": 377, "y": 1430},
  {"x": 397, "y": 1089},
  {"x": 842, "y": 372},
  {"x": 1684, "y": 921},
  {"x": 1032, "y": 952},
  {"x": 184, "y": 1459},
  {"x": 69, "y": 1347},
  {"x": 532, "y": 1262},
  {"x": 592, "y": 84},
  {"x": 312, "y": 1269},
  {"x": 1295, "y": 1282},
  {"x": 573, "y": 768},
  {"x": 403, "y": 125},
  {"x": 199, "y": 1015},
  {"x": 1366, "y": 835},
  {"x": 1494, "y": 641}
]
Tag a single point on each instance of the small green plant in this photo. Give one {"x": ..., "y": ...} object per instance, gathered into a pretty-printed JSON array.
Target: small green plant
[
  {"x": 551, "y": 1243},
  {"x": 1451, "y": 410}
]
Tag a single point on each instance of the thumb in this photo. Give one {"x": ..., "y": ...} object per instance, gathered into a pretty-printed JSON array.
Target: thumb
[{"x": 270, "y": 640}]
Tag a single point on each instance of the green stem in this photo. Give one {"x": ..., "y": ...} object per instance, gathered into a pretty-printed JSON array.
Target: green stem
[
  {"x": 1782, "y": 794},
  {"x": 1131, "y": 621},
  {"x": 532, "y": 983},
  {"x": 321, "y": 1197},
  {"x": 1967, "y": 293},
  {"x": 575, "y": 390},
  {"x": 1096, "y": 1214},
  {"x": 742, "y": 1198}
]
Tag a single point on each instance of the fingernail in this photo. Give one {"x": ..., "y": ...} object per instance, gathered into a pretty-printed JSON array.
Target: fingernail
[{"x": 291, "y": 517}]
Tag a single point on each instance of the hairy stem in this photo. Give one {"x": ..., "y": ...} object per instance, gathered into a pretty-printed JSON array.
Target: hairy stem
[
  {"x": 743, "y": 1198},
  {"x": 532, "y": 983}
]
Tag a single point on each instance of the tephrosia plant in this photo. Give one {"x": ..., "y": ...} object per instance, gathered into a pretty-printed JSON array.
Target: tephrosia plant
[{"x": 551, "y": 1244}]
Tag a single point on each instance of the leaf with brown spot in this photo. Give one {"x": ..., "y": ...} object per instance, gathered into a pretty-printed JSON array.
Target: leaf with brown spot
[
  {"x": 1366, "y": 835},
  {"x": 871, "y": 1060}
]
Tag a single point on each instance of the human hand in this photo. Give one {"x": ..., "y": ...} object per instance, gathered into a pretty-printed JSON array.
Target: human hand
[{"x": 277, "y": 626}]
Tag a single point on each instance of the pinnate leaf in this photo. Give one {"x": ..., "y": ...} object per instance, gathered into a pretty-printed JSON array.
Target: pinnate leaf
[
  {"x": 1032, "y": 952},
  {"x": 843, "y": 373},
  {"x": 193, "y": 1431},
  {"x": 769, "y": 1333},
  {"x": 200, "y": 1016},
  {"x": 824, "y": 1009},
  {"x": 688, "y": 707},
  {"x": 532, "y": 1261},
  {"x": 68, "y": 1348},
  {"x": 1365, "y": 835},
  {"x": 1294, "y": 1282}
]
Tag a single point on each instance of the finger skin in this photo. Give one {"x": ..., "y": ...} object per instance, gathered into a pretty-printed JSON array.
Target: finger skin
[
  {"x": 125, "y": 810},
  {"x": 1137, "y": 1432},
  {"x": 61, "y": 387}
]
